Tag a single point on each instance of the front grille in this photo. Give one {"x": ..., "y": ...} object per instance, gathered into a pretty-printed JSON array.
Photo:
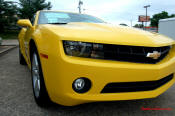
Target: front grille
[
  {"x": 135, "y": 86},
  {"x": 133, "y": 53}
]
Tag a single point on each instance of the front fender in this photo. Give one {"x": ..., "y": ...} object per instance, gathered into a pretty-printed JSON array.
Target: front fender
[{"x": 21, "y": 39}]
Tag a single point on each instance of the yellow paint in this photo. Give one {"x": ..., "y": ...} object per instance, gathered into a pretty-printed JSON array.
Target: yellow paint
[
  {"x": 60, "y": 70},
  {"x": 24, "y": 22}
]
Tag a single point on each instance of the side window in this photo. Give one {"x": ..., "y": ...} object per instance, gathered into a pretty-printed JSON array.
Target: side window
[{"x": 33, "y": 19}]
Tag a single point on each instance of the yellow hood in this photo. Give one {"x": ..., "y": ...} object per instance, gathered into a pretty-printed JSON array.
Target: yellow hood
[{"x": 106, "y": 33}]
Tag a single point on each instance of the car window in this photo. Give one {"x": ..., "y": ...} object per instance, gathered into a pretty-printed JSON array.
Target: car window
[
  {"x": 61, "y": 17},
  {"x": 33, "y": 19}
]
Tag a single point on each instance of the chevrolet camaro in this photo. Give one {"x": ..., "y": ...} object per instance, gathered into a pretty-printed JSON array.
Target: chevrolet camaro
[{"x": 77, "y": 58}]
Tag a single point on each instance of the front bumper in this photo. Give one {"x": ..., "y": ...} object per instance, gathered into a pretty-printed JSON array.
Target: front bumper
[{"x": 60, "y": 71}]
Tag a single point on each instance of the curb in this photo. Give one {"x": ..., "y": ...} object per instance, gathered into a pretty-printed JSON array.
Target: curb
[{"x": 7, "y": 50}]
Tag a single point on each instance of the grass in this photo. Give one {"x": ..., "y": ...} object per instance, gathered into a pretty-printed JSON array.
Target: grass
[{"x": 10, "y": 34}]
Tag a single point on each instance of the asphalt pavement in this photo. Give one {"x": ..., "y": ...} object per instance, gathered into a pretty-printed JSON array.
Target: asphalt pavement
[{"x": 16, "y": 97}]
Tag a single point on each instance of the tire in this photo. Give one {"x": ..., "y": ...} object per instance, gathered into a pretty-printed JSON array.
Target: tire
[
  {"x": 38, "y": 85},
  {"x": 21, "y": 58}
]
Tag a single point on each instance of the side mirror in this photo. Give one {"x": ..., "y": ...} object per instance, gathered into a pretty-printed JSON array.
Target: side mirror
[{"x": 24, "y": 23}]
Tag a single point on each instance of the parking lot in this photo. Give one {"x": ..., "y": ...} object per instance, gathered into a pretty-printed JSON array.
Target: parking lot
[{"x": 16, "y": 97}]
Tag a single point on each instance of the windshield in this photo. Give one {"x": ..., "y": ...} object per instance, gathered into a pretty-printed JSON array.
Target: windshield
[{"x": 62, "y": 17}]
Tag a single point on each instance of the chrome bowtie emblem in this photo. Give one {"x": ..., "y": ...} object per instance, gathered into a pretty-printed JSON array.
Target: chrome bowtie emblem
[{"x": 154, "y": 55}]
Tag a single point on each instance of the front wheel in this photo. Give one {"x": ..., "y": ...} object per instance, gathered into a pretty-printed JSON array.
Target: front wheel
[{"x": 39, "y": 89}]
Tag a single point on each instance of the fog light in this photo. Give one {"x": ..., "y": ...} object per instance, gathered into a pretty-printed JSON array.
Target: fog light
[{"x": 81, "y": 85}]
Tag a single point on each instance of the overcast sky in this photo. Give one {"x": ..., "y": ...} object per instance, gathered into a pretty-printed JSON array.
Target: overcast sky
[{"x": 116, "y": 11}]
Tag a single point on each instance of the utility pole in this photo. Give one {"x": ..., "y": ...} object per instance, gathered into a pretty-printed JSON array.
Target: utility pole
[
  {"x": 146, "y": 13},
  {"x": 80, "y": 3}
]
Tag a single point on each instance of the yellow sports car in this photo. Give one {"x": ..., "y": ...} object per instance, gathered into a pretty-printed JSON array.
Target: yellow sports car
[{"x": 77, "y": 58}]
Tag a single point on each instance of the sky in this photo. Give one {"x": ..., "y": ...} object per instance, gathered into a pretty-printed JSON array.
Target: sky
[{"x": 116, "y": 11}]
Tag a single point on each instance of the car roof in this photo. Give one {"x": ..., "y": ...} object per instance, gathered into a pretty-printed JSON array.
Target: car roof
[{"x": 58, "y": 11}]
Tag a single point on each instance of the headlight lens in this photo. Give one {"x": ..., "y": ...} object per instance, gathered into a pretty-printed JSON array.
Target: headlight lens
[{"x": 83, "y": 49}]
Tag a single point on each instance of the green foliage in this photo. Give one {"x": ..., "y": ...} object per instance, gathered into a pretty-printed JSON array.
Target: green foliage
[
  {"x": 9, "y": 34},
  {"x": 30, "y": 7},
  {"x": 138, "y": 25},
  {"x": 8, "y": 15},
  {"x": 9, "y": 12},
  {"x": 123, "y": 24},
  {"x": 157, "y": 17}
]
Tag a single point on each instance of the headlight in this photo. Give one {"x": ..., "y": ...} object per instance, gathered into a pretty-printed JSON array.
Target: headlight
[{"x": 83, "y": 49}]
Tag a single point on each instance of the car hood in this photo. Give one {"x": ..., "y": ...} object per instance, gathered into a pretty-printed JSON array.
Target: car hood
[{"x": 106, "y": 33}]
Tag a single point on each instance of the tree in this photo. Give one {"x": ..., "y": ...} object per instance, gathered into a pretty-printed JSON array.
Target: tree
[
  {"x": 123, "y": 24},
  {"x": 157, "y": 17},
  {"x": 30, "y": 7},
  {"x": 138, "y": 25},
  {"x": 8, "y": 15}
]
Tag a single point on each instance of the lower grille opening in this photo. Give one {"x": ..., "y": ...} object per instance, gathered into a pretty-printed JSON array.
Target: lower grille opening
[{"x": 136, "y": 86}]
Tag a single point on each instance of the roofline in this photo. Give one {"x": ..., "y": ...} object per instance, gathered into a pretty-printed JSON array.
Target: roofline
[{"x": 167, "y": 19}]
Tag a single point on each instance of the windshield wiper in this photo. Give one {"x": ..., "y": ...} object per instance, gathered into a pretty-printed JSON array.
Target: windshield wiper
[{"x": 58, "y": 23}]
